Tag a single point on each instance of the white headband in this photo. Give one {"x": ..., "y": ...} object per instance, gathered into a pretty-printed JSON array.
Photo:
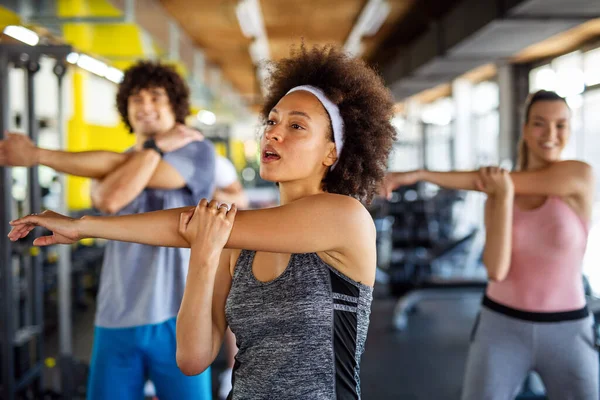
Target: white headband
[{"x": 337, "y": 123}]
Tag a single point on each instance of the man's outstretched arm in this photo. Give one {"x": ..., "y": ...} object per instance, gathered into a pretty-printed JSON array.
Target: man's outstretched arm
[{"x": 18, "y": 150}]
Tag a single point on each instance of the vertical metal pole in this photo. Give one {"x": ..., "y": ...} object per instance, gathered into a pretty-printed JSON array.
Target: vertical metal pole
[
  {"x": 64, "y": 262},
  {"x": 35, "y": 199},
  {"x": 425, "y": 144},
  {"x": 452, "y": 144},
  {"x": 7, "y": 329},
  {"x": 129, "y": 11}
]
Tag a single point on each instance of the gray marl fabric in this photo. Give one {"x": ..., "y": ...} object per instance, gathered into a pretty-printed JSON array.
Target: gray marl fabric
[{"x": 301, "y": 335}]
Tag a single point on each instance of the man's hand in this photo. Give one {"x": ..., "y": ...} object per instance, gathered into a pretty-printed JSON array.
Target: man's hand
[
  {"x": 17, "y": 150},
  {"x": 178, "y": 137}
]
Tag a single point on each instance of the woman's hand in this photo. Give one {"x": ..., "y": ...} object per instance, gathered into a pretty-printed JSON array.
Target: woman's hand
[
  {"x": 394, "y": 180},
  {"x": 207, "y": 227},
  {"x": 495, "y": 181},
  {"x": 64, "y": 229}
]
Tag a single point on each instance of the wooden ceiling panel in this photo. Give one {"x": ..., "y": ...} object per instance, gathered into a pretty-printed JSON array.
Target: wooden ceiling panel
[
  {"x": 213, "y": 26},
  {"x": 242, "y": 78},
  {"x": 315, "y": 20},
  {"x": 561, "y": 43},
  {"x": 148, "y": 16}
]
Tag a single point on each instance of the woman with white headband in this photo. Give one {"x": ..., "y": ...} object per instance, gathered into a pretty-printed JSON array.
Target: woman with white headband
[{"x": 298, "y": 295}]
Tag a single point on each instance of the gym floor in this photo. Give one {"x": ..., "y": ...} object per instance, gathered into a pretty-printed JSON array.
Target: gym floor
[{"x": 426, "y": 361}]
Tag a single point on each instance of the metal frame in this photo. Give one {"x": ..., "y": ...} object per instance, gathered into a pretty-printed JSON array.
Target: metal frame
[
  {"x": 11, "y": 336},
  {"x": 7, "y": 329}
]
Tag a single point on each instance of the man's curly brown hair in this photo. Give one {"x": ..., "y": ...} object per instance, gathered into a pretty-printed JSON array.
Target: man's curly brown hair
[
  {"x": 365, "y": 104},
  {"x": 150, "y": 74}
]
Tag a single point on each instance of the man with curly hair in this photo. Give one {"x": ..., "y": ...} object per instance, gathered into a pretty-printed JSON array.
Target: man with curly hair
[{"x": 141, "y": 287}]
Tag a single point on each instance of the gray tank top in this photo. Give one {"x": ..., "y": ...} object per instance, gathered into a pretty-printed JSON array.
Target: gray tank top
[{"x": 301, "y": 335}]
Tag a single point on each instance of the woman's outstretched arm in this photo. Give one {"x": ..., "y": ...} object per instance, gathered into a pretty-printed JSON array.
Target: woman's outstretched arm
[
  {"x": 322, "y": 222},
  {"x": 563, "y": 178},
  {"x": 158, "y": 228}
]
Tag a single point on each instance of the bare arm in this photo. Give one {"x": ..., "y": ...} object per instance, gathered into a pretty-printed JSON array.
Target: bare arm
[
  {"x": 565, "y": 178},
  {"x": 88, "y": 164},
  {"x": 498, "y": 236},
  {"x": 462, "y": 180},
  {"x": 201, "y": 320},
  {"x": 499, "y": 187},
  {"x": 145, "y": 169},
  {"x": 18, "y": 150},
  {"x": 124, "y": 184},
  {"x": 311, "y": 224},
  {"x": 98, "y": 164}
]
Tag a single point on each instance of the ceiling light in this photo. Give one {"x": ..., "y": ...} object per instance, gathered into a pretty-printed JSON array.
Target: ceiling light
[
  {"x": 543, "y": 78},
  {"x": 207, "y": 117},
  {"x": 592, "y": 67},
  {"x": 114, "y": 75},
  {"x": 259, "y": 50},
  {"x": 248, "y": 174},
  {"x": 373, "y": 16},
  {"x": 570, "y": 81},
  {"x": 250, "y": 19},
  {"x": 369, "y": 22},
  {"x": 92, "y": 65},
  {"x": 575, "y": 101},
  {"x": 23, "y": 34},
  {"x": 72, "y": 58}
]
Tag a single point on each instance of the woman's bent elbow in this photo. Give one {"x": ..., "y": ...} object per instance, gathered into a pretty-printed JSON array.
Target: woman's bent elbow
[
  {"x": 190, "y": 365},
  {"x": 497, "y": 274},
  {"x": 496, "y": 277}
]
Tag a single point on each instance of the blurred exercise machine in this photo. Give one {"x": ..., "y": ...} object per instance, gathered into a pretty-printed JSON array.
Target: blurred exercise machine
[
  {"x": 22, "y": 264},
  {"x": 421, "y": 251}
]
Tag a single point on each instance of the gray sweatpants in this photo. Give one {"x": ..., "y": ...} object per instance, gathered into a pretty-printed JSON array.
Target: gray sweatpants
[{"x": 504, "y": 349}]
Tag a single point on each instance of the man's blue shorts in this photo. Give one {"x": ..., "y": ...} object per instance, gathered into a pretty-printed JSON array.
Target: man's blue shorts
[{"x": 123, "y": 359}]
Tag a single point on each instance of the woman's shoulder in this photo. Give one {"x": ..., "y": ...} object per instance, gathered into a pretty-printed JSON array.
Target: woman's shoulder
[
  {"x": 340, "y": 201},
  {"x": 576, "y": 167},
  {"x": 345, "y": 207}
]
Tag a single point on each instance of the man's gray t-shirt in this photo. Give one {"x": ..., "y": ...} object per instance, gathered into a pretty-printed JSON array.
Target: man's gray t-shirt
[{"x": 141, "y": 284}]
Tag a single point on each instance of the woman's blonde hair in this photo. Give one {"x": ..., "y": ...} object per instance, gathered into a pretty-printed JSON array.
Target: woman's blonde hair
[
  {"x": 522, "y": 155},
  {"x": 540, "y": 95}
]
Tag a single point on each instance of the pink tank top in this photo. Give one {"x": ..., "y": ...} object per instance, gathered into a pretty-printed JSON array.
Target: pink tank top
[{"x": 548, "y": 246}]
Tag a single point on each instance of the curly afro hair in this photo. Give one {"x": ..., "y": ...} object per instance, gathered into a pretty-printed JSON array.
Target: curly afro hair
[
  {"x": 150, "y": 74},
  {"x": 365, "y": 104}
]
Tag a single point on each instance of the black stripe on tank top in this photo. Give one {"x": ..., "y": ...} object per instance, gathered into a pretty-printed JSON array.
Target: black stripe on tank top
[
  {"x": 345, "y": 303},
  {"x": 345, "y": 322},
  {"x": 535, "y": 316}
]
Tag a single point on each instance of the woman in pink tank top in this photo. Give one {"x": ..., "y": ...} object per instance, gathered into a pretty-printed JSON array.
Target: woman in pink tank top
[{"x": 534, "y": 315}]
